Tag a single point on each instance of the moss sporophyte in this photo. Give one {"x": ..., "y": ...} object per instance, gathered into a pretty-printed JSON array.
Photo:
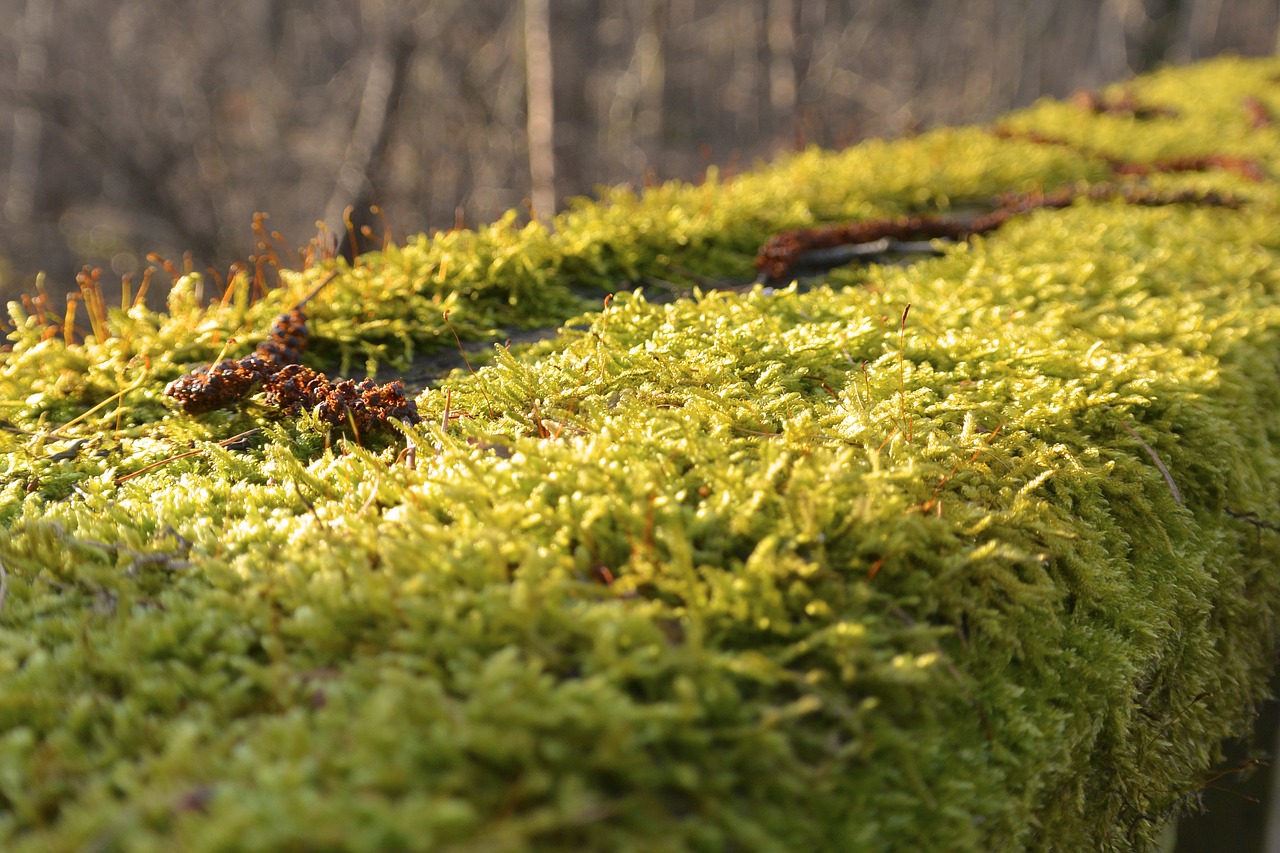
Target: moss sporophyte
[{"x": 968, "y": 545}]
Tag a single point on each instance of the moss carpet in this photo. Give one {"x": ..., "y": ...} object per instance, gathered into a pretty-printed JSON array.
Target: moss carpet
[{"x": 975, "y": 552}]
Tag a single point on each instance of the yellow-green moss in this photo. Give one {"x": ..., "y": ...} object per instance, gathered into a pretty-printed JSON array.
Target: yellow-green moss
[{"x": 774, "y": 570}]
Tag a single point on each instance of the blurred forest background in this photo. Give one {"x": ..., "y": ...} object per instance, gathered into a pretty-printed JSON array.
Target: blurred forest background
[{"x": 164, "y": 125}]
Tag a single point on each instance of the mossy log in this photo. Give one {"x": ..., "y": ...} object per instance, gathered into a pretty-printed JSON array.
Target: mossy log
[{"x": 977, "y": 551}]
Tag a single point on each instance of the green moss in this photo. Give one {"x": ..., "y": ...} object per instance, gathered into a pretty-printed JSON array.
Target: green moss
[{"x": 791, "y": 569}]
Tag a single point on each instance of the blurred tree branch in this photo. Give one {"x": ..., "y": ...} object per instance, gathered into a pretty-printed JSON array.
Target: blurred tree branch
[{"x": 357, "y": 187}]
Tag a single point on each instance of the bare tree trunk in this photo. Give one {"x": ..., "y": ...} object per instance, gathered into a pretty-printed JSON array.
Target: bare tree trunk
[{"x": 541, "y": 108}]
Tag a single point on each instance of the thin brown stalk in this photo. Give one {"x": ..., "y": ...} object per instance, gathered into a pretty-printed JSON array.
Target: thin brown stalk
[
  {"x": 1168, "y": 478},
  {"x": 225, "y": 442}
]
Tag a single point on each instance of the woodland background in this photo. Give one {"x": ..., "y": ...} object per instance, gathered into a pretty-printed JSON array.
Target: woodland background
[{"x": 164, "y": 125}]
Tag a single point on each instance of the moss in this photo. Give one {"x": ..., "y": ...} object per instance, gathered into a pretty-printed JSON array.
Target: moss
[{"x": 976, "y": 553}]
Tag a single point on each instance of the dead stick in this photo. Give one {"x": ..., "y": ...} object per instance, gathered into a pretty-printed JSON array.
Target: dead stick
[{"x": 154, "y": 465}]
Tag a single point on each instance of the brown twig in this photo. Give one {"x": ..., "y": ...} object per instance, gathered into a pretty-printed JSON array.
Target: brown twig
[
  {"x": 1258, "y": 113},
  {"x": 1168, "y": 478},
  {"x": 224, "y": 443},
  {"x": 1121, "y": 105},
  {"x": 902, "y": 378},
  {"x": 786, "y": 249},
  {"x": 1243, "y": 166}
]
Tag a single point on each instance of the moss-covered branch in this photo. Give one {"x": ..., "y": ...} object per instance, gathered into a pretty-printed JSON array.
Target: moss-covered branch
[{"x": 758, "y": 569}]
